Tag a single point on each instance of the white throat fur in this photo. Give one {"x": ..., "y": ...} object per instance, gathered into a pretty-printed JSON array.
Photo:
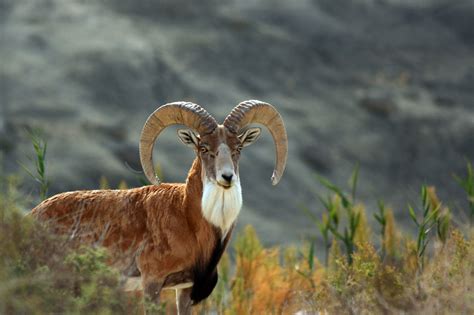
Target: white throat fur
[{"x": 221, "y": 206}]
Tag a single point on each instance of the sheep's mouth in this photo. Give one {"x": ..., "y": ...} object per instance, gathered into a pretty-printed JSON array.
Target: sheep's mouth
[{"x": 225, "y": 186}]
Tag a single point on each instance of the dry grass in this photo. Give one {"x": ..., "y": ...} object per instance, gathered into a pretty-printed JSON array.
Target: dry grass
[
  {"x": 41, "y": 273},
  {"x": 267, "y": 281}
]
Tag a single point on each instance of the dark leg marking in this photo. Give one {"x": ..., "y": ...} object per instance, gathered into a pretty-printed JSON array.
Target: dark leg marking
[{"x": 153, "y": 289}]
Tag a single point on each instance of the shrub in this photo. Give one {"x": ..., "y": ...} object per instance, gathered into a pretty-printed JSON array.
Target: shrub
[{"x": 42, "y": 273}]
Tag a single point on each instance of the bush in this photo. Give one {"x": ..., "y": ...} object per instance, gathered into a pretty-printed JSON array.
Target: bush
[
  {"x": 44, "y": 273},
  {"x": 41, "y": 273}
]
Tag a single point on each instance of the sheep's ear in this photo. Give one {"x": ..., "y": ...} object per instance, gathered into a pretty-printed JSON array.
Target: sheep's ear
[
  {"x": 188, "y": 137},
  {"x": 249, "y": 136}
]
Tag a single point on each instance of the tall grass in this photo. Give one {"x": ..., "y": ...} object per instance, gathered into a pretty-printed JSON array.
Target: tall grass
[
  {"x": 39, "y": 174},
  {"x": 41, "y": 273},
  {"x": 329, "y": 225},
  {"x": 467, "y": 184},
  {"x": 424, "y": 225},
  {"x": 401, "y": 276}
]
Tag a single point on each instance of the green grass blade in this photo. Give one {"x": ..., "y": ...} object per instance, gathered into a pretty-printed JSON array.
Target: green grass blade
[
  {"x": 354, "y": 178},
  {"x": 413, "y": 215}
]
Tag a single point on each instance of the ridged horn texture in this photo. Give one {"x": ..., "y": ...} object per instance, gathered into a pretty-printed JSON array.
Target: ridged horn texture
[
  {"x": 257, "y": 112},
  {"x": 184, "y": 113}
]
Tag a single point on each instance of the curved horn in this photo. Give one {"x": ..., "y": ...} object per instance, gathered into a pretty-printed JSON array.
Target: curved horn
[
  {"x": 254, "y": 111},
  {"x": 184, "y": 113}
]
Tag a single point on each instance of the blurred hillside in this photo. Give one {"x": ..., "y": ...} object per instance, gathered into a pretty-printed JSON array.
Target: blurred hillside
[{"x": 387, "y": 83}]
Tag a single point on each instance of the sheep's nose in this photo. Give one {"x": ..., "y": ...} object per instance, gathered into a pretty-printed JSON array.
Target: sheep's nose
[{"x": 227, "y": 177}]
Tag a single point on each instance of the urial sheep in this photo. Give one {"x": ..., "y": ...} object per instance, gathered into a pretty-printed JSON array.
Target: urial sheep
[{"x": 173, "y": 235}]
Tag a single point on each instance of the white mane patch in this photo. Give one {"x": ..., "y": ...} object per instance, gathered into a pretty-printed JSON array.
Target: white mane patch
[{"x": 221, "y": 206}]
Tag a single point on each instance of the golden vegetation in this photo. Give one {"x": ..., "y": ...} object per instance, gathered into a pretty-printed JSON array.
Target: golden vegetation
[
  {"x": 366, "y": 269},
  {"x": 42, "y": 273},
  {"x": 268, "y": 281}
]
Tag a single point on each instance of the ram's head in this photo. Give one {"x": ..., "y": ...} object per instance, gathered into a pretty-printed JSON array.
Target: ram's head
[{"x": 217, "y": 146}]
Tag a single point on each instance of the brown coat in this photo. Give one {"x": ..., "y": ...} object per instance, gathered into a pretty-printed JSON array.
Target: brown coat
[{"x": 156, "y": 231}]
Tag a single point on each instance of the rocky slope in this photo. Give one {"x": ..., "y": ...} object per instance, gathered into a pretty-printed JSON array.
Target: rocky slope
[{"x": 388, "y": 84}]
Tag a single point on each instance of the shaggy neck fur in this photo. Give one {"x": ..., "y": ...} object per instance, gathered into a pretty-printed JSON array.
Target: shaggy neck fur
[{"x": 221, "y": 206}]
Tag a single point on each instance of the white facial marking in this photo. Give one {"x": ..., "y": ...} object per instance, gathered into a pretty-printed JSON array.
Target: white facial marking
[
  {"x": 225, "y": 174},
  {"x": 221, "y": 206}
]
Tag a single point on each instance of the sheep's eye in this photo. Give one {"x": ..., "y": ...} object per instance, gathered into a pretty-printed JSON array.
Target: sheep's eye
[{"x": 203, "y": 149}]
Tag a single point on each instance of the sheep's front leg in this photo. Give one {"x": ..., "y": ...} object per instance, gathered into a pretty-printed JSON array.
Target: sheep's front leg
[{"x": 183, "y": 301}]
